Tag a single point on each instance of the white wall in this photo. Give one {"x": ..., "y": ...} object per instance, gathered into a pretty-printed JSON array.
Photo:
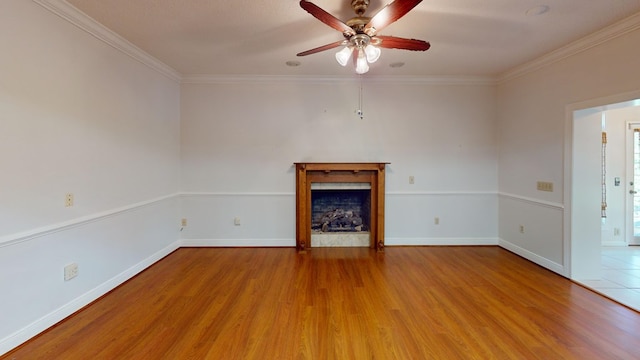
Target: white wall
[
  {"x": 532, "y": 114},
  {"x": 241, "y": 138},
  {"x": 586, "y": 195},
  {"x": 78, "y": 116},
  {"x": 615, "y": 168}
]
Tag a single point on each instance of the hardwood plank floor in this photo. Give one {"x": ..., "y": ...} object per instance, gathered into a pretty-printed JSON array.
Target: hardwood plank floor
[{"x": 344, "y": 303}]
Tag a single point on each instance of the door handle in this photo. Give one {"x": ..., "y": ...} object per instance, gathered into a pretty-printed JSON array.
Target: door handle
[{"x": 632, "y": 192}]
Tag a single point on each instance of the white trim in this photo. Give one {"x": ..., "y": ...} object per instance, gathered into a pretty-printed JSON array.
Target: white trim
[
  {"x": 83, "y": 21},
  {"x": 614, "y": 243},
  {"x": 195, "y": 194},
  {"x": 407, "y": 80},
  {"x": 532, "y": 201},
  {"x": 533, "y": 257},
  {"x": 45, "y": 322},
  {"x": 441, "y": 193},
  {"x": 70, "y": 13},
  {"x": 568, "y": 241},
  {"x": 261, "y": 79},
  {"x": 618, "y": 29},
  {"x": 601, "y": 102},
  {"x": 390, "y": 193},
  {"x": 440, "y": 241},
  {"x": 567, "y": 173},
  {"x": 12, "y": 239},
  {"x": 292, "y": 242},
  {"x": 238, "y": 243}
]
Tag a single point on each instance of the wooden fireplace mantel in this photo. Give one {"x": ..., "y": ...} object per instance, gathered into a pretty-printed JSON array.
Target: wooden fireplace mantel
[{"x": 308, "y": 173}]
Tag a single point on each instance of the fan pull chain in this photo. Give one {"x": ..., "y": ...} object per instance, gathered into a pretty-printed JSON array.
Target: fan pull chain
[
  {"x": 360, "y": 111},
  {"x": 603, "y": 207}
]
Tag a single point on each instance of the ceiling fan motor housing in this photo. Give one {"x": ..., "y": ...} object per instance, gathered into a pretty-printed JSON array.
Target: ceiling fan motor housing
[
  {"x": 360, "y": 41},
  {"x": 358, "y": 23}
]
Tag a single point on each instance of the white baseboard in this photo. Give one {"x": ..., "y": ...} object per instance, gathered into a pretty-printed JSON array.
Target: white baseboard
[
  {"x": 292, "y": 242},
  {"x": 440, "y": 241},
  {"x": 614, "y": 243},
  {"x": 544, "y": 262},
  {"x": 238, "y": 242},
  {"x": 45, "y": 322}
]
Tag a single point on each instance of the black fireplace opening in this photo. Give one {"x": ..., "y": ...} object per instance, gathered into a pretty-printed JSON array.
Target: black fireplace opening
[{"x": 343, "y": 210}]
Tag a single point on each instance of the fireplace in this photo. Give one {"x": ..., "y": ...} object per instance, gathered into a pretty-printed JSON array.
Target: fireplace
[
  {"x": 340, "y": 198},
  {"x": 340, "y": 209},
  {"x": 340, "y": 214}
]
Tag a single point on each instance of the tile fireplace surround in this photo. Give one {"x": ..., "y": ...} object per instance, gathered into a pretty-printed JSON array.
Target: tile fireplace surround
[{"x": 308, "y": 173}]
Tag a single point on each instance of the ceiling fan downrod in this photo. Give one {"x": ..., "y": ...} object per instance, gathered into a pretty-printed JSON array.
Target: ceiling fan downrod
[{"x": 359, "y": 6}]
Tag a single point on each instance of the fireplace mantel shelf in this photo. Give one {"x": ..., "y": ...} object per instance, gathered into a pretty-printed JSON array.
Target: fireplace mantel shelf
[
  {"x": 318, "y": 172},
  {"x": 328, "y": 167}
]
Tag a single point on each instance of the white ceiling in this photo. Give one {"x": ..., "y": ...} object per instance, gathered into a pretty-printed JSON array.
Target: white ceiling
[{"x": 257, "y": 37}]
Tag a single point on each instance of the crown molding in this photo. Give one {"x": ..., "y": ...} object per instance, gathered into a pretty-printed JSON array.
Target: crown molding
[
  {"x": 608, "y": 33},
  {"x": 81, "y": 20},
  {"x": 418, "y": 80},
  {"x": 70, "y": 13},
  {"x": 76, "y": 17}
]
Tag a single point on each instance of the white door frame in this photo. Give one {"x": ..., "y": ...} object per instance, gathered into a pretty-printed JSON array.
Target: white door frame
[
  {"x": 572, "y": 264},
  {"x": 630, "y": 238}
]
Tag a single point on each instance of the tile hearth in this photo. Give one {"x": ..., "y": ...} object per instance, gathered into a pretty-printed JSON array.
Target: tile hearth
[{"x": 340, "y": 239}]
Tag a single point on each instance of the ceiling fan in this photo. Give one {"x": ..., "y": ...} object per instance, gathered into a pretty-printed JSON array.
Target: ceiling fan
[{"x": 361, "y": 40}]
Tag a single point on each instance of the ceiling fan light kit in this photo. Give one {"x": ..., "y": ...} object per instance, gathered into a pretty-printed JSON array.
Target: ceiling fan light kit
[
  {"x": 363, "y": 51},
  {"x": 361, "y": 41},
  {"x": 342, "y": 56},
  {"x": 362, "y": 66},
  {"x": 373, "y": 53}
]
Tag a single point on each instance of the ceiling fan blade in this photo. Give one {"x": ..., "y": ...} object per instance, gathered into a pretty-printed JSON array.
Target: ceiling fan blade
[
  {"x": 322, "y": 48},
  {"x": 392, "y": 42},
  {"x": 326, "y": 18},
  {"x": 389, "y": 14}
]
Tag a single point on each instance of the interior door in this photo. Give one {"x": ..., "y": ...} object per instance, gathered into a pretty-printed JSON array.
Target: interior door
[{"x": 633, "y": 186}]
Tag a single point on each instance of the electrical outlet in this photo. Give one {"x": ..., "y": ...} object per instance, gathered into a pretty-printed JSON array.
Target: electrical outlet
[
  {"x": 521, "y": 229},
  {"x": 236, "y": 221},
  {"x": 183, "y": 222},
  {"x": 544, "y": 186},
  {"x": 616, "y": 231},
  {"x": 436, "y": 220},
  {"x": 68, "y": 200},
  {"x": 70, "y": 271},
  {"x": 412, "y": 180}
]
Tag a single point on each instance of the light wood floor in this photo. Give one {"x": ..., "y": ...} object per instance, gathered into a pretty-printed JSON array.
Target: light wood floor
[{"x": 349, "y": 303}]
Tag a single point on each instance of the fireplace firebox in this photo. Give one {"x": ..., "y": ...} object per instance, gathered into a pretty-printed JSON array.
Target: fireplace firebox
[
  {"x": 340, "y": 210},
  {"x": 342, "y": 198}
]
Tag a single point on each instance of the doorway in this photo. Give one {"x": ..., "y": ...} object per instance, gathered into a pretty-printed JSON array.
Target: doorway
[{"x": 600, "y": 185}]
